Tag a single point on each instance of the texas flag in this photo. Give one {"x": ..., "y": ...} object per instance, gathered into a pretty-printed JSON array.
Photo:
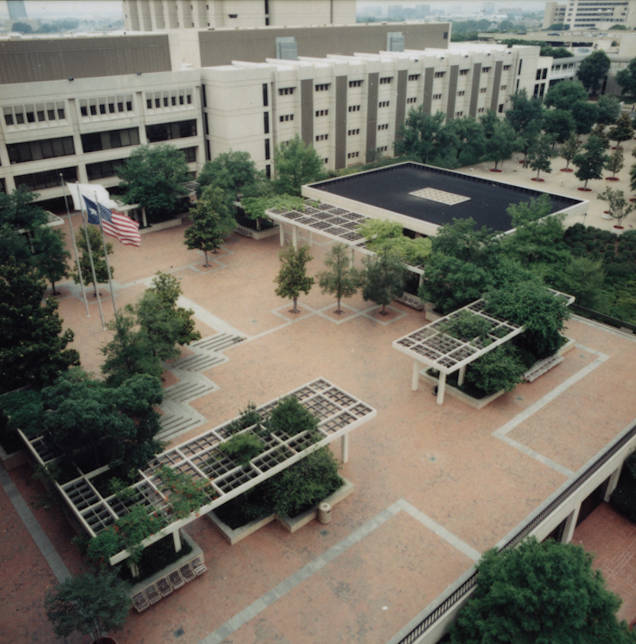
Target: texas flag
[{"x": 115, "y": 224}]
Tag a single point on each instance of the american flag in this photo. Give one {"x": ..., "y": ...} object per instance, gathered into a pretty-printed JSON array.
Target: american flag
[{"x": 115, "y": 224}]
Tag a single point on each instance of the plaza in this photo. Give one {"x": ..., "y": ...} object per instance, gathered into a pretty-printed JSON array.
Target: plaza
[{"x": 434, "y": 486}]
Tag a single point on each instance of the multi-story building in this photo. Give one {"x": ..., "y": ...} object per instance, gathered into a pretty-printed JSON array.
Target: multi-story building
[
  {"x": 79, "y": 107},
  {"x": 595, "y": 14},
  {"x": 153, "y": 15}
]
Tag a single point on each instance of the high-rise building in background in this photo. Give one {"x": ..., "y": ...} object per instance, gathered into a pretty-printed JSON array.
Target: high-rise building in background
[
  {"x": 17, "y": 9},
  {"x": 591, "y": 14}
]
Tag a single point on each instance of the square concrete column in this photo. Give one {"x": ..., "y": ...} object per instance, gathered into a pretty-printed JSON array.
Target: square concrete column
[
  {"x": 344, "y": 448},
  {"x": 176, "y": 537},
  {"x": 415, "y": 376},
  {"x": 460, "y": 377},
  {"x": 570, "y": 524},
  {"x": 612, "y": 483},
  {"x": 441, "y": 388},
  {"x": 294, "y": 237},
  {"x": 281, "y": 233}
]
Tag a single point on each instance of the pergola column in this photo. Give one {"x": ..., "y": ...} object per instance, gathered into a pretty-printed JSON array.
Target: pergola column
[
  {"x": 294, "y": 237},
  {"x": 415, "y": 377},
  {"x": 441, "y": 387},
  {"x": 570, "y": 524},
  {"x": 134, "y": 568},
  {"x": 344, "y": 448},
  {"x": 176, "y": 537},
  {"x": 460, "y": 377},
  {"x": 281, "y": 233},
  {"x": 612, "y": 483}
]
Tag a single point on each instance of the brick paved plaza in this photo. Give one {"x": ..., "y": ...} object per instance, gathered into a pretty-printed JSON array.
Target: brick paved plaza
[{"x": 435, "y": 486}]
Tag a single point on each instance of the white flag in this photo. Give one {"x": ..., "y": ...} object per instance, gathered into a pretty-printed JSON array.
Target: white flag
[{"x": 90, "y": 190}]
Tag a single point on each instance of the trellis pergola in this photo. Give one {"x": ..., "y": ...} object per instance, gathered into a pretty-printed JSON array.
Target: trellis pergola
[{"x": 201, "y": 458}]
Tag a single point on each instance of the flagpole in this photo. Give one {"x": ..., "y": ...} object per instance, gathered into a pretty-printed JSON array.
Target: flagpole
[
  {"x": 77, "y": 262},
  {"x": 110, "y": 280},
  {"x": 90, "y": 257}
]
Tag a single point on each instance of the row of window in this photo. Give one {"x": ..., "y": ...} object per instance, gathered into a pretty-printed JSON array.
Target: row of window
[
  {"x": 41, "y": 112},
  {"x": 355, "y": 83},
  {"x": 322, "y": 87},
  {"x": 411, "y": 99},
  {"x": 353, "y": 155},
  {"x": 322, "y": 137},
  {"x": 106, "y": 105},
  {"x": 382, "y": 148},
  {"x": 385, "y": 80},
  {"x": 384, "y": 103},
  {"x": 383, "y": 126},
  {"x": 321, "y": 112},
  {"x": 174, "y": 98},
  {"x": 353, "y": 108},
  {"x": 285, "y": 91},
  {"x": 353, "y": 132},
  {"x": 413, "y": 77},
  {"x": 286, "y": 117}
]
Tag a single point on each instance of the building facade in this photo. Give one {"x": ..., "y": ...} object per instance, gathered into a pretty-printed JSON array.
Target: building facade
[
  {"x": 153, "y": 15},
  {"x": 591, "y": 14}
]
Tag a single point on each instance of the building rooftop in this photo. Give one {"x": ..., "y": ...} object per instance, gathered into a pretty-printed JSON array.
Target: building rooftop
[{"x": 431, "y": 195}]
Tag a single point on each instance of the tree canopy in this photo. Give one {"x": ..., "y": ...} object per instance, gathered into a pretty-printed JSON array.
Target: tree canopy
[
  {"x": 565, "y": 94},
  {"x": 296, "y": 164},
  {"x": 383, "y": 278},
  {"x": 626, "y": 78},
  {"x": 155, "y": 178},
  {"x": 292, "y": 278},
  {"x": 540, "y": 592},
  {"x": 341, "y": 278},
  {"x": 98, "y": 250},
  {"x": 230, "y": 171},
  {"x": 593, "y": 70},
  {"x": 591, "y": 160},
  {"x": 383, "y": 235}
]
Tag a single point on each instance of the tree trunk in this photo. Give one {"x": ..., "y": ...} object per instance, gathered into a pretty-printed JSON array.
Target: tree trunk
[
  {"x": 53, "y": 287},
  {"x": 538, "y": 171},
  {"x": 585, "y": 184},
  {"x": 295, "y": 309},
  {"x": 383, "y": 310},
  {"x": 95, "y": 289},
  {"x": 205, "y": 253},
  {"x": 338, "y": 309}
]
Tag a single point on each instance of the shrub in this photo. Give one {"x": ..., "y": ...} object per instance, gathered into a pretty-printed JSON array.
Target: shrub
[
  {"x": 467, "y": 326},
  {"x": 289, "y": 417},
  {"x": 305, "y": 483},
  {"x": 243, "y": 447},
  {"x": 497, "y": 370}
]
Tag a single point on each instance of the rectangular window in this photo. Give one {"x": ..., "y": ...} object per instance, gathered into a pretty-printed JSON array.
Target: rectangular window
[
  {"x": 544, "y": 73},
  {"x": 321, "y": 113},
  {"x": 190, "y": 154},
  {"x": 383, "y": 126},
  {"x": 500, "y": 108},
  {"x": 383, "y": 104},
  {"x": 8, "y": 117},
  {"x": 102, "y": 108},
  {"x": 111, "y": 139},
  {"x": 103, "y": 169},
  {"x": 463, "y": 72},
  {"x": 437, "y": 96},
  {"x": 285, "y": 91},
  {"x": 485, "y": 70},
  {"x": 483, "y": 90},
  {"x": 174, "y": 130},
  {"x": 537, "y": 76},
  {"x": 461, "y": 92},
  {"x": 413, "y": 77},
  {"x": 46, "y": 179},
  {"x": 353, "y": 108},
  {"x": 439, "y": 74},
  {"x": 43, "y": 149},
  {"x": 411, "y": 99},
  {"x": 382, "y": 148},
  {"x": 355, "y": 83},
  {"x": 506, "y": 68},
  {"x": 265, "y": 98},
  {"x": 385, "y": 80},
  {"x": 322, "y": 137},
  {"x": 266, "y": 122},
  {"x": 286, "y": 117},
  {"x": 149, "y": 103},
  {"x": 267, "y": 150},
  {"x": 353, "y": 132},
  {"x": 322, "y": 87},
  {"x": 325, "y": 160},
  {"x": 520, "y": 65},
  {"x": 268, "y": 171},
  {"x": 206, "y": 124},
  {"x": 353, "y": 155}
]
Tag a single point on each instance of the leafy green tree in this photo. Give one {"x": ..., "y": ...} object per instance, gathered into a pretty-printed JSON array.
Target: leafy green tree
[
  {"x": 558, "y": 123},
  {"x": 130, "y": 352},
  {"x": 582, "y": 277},
  {"x": 18, "y": 210},
  {"x": 98, "y": 251},
  {"x": 540, "y": 592},
  {"x": 632, "y": 177},
  {"x": 383, "y": 278},
  {"x": 622, "y": 131},
  {"x": 22, "y": 27},
  {"x": 165, "y": 324},
  {"x": 565, "y": 94},
  {"x": 614, "y": 162},
  {"x": 93, "y": 424},
  {"x": 523, "y": 110},
  {"x": 382, "y": 234},
  {"x": 499, "y": 369},
  {"x": 619, "y": 206},
  {"x": 289, "y": 418},
  {"x": 591, "y": 160},
  {"x": 91, "y": 604},
  {"x": 585, "y": 116},
  {"x": 609, "y": 109},
  {"x": 463, "y": 240},
  {"x": 292, "y": 279},
  {"x": 33, "y": 348},
  {"x": 257, "y": 203},
  {"x": 420, "y": 134},
  {"x": 155, "y": 178},
  {"x": 230, "y": 171},
  {"x": 530, "y": 304},
  {"x": 501, "y": 144},
  {"x": 212, "y": 221},
  {"x": 539, "y": 154},
  {"x": 50, "y": 256},
  {"x": 626, "y": 78},
  {"x": 593, "y": 70},
  {"x": 466, "y": 140},
  {"x": 341, "y": 278},
  {"x": 296, "y": 164}
]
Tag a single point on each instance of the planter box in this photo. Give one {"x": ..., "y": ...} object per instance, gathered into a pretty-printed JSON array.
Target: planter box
[
  {"x": 162, "y": 225},
  {"x": 411, "y": 300},
  {"x": 476, "y": 403},
  {"x": 256, "y": 234},
  {"x": 291, "y": 524},
  {"x": 234, "y": 535}
]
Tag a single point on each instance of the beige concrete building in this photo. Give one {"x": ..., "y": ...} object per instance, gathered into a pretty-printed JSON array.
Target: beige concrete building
[
  {"x": 153, "y": 15},
  {"x": 594, "y": 14}
]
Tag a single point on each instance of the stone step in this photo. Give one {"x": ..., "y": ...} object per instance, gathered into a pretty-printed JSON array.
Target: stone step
[
  {"x": 172, "y": 425},
  {"x": 200, "y": 362},
  {"x": 217, "y": 342},
  {"x": 186, "y": 390}
]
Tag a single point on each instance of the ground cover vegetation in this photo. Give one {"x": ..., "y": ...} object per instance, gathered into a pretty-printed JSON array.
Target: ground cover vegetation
[{"x": 540, "y": 592}]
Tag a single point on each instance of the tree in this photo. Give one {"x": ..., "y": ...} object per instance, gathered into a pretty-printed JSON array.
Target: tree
[
  {"x": 255, "y": 205},
  {"x": 614, "y": 162},
  {"x": 292, "y": 279},
  {"x": 465, "y": 139},
  {"x": 622, "y": 131},
  {"x": 18, "y": 210},
  {"x": 565, "y": 94},
  {"x": 296, "y": 164},
  {"x": 92, "y": 604},
  {"x": 582, "y": 277},
  {"x": 539, "y": 592},
  {"x": 155, "y": 178},
  {"x": 609, "y": 109},
  {"x": 50, "y": 256},
  {"x": 383, "y": 279},
  {"x": 92, "y": 424},
  {"x": 585, "y": 116},
  {"x": 341, "y": 279},
  {"x": 539, "y": 154},
  {"x": 499, "y": 369},
  {"x": 526, "y": 117},
  {"x": 99, "y": 257},
  {"x": 593, "y": 70},
  {"x": 130, "y": 352},
  {"x": 382, "y": 234},
  {"x": 165, "y": 324},
  {"x": 33, "y": 348},
  {"x": 626, "y": 78},
  {"x": 590, "y": 162},
  {"x": 212, "y": 221},
  {"x": 22, "y": 27},
  {"x": 619, "y": 206},
  {"x": 230, "y": 171},
  {"x": 419, "y": 136},
  {"x": 559, "y": 123},
  {"x": 501, "y": 144},
  {"x": 570, "y": 149}
]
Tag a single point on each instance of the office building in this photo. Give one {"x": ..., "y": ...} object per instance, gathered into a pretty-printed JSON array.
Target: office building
[{"x": 590, "y": 14}]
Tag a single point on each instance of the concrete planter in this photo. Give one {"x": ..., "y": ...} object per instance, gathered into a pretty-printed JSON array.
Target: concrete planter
[
  {"x": 234, "y": 535},
  {"x": 256, "y": 234},
  {"x": 291, "y": 524},
  {"x": 162, "y": 225}
]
